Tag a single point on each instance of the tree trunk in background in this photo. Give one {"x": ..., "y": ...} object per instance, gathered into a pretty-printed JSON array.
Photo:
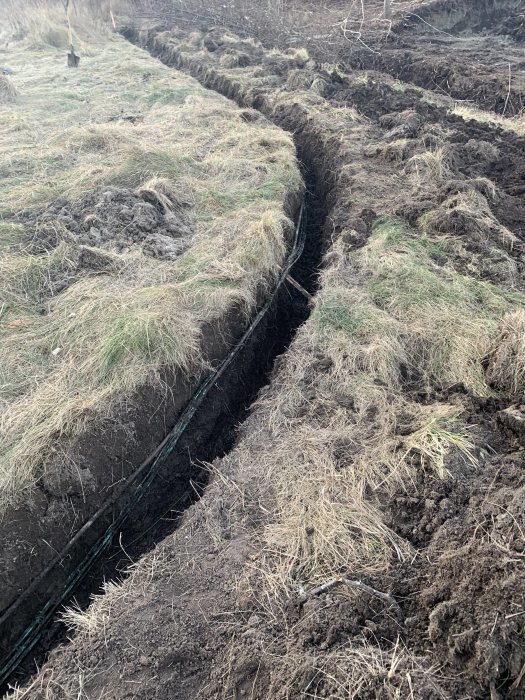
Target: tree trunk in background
[{"x": 388, "y": 9}]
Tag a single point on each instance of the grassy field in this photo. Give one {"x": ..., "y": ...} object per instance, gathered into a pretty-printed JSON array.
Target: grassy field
[
  {"x": 376, "y": 453},
  {"x": 85, "y": 322}
]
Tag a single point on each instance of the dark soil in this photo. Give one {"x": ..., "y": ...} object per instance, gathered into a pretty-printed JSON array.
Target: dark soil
[{"x": 115, "y": 218}]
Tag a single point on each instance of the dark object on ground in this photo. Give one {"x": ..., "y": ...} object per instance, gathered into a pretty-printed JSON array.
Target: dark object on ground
[{"x": 72, "y": 59}]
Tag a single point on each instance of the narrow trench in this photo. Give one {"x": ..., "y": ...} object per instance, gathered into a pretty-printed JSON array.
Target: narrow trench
[{"x": 211, "y": 434}]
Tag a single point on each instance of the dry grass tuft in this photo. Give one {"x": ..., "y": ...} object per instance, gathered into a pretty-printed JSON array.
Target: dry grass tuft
[
  {"x": 367, "y": 670},
  {"x": 506, "y": 357},
  {"x": 515, "y": 124},
  {"x": 435, "y": 439},
  {"x": 468, "y": 214},
  {"x": 431, "y": 167},
  {"x": 8, "y": 91},
  {"x": 396, "y": 150}
]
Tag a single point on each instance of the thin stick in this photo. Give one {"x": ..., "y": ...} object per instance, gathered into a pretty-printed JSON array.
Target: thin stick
[
  {"x": 441, "y": 31},
  {"x": 518, "y": 679},
  {"x": 112, "y": 18},
  {"x": 351, "y": 584},
  {"x": 508, "y": 92},
  {"x": 303, "y": 291},
  {"x": 69, "y": 32}
]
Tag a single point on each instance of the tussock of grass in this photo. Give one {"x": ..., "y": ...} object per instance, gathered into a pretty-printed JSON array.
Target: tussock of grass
[
  {"x": 300, "y": 79},
  {"x": 468, "y": 113},
  {"x": 396, "y": 150},
  {"x": 506, "y": 357},
  {"x": 360, "y": 670},
  {"x": 468, "y": 213},
  {"x": 434, "y": 440},
  {"x": 8, "y": 91},
  {"x": 326, "y": 528},
  {"x": 429, "y": 167},
  {"x": 75, "y": 342}
]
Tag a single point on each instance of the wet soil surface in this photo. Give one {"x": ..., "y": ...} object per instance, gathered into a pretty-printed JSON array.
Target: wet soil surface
[{"x": 189, "y": 629}]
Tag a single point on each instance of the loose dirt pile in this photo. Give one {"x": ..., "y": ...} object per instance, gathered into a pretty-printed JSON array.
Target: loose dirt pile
[{"x": 115, "y": 219}]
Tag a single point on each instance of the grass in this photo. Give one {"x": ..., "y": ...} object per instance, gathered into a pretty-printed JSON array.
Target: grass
[
  {"x": 435, "y": 439},
  {"x": 469, "y": 213},
  {"x": 469, "y": 113},
  {"x": 389, "y": 320},
  {"x": 429, "y": 166},
  {"x": 75, "y": 343},
  {"x": 387, "y": 314},
  {"x": 447, "y": 319},
  {"x": 506, "y": 357},
  {"x": 357, "y": 415},
  {"x": 407, "y": 310}
]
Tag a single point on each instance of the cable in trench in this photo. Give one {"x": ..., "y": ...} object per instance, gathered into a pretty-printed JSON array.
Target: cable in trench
[{"x": 142, "y": 478}]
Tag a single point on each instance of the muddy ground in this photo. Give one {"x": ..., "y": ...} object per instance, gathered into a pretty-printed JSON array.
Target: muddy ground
[{"x": 193, "y": 619}]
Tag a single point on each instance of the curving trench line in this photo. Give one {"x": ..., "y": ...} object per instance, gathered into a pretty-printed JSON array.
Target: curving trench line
[
  {"x": 24, "y": 622},
  {"x": 173, "y": 477}
]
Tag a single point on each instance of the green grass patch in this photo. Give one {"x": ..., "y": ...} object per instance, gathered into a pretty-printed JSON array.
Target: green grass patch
[
  {"x": 142, "y": 165},
  {"x": 166, "y": 96}
]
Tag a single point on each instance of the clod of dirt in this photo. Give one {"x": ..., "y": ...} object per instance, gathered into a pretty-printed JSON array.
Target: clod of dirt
[
  {"x": 405, "y": 123},
  {"x": 480, "y": 151},
  {"x": 100, "y": 260},
  {"x": 514, "y": 419},
  {"x": 126, "y": 117},
  {"x": 116, "y": 218},
  {"x": 160, "y": 246},
  {"x": 235, "y": 59}
]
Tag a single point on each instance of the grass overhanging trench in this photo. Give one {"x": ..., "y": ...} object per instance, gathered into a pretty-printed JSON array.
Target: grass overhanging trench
[
  {"x": 88, "y": 317},
  {"x": 388, "y": 320},
  {"x": 393, "y": 318}
]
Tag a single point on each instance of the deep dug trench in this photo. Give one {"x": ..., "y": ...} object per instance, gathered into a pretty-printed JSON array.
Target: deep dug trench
[
  {"x": 449, "y": 619},
  {"x": 411, "y": 514},
  {"x": 151, "y": 499}
]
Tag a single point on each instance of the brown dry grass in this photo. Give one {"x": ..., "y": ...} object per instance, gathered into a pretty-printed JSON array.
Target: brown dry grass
[
  {"x": 506, "y": 357},
  {"x": 341, "y": 428},
  {"x": 8, "y": 91},
  {"x": 105, "y": 335},
  {"x": 400, "y": 313},
  {"x": 515, "y": 124}
]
